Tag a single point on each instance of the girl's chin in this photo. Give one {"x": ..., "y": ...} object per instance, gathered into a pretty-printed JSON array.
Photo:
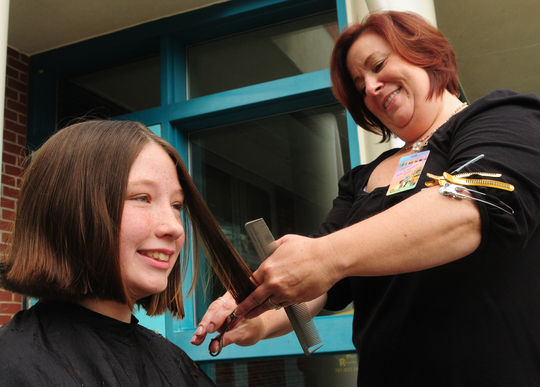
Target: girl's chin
[{"x": 149, "y": 291}]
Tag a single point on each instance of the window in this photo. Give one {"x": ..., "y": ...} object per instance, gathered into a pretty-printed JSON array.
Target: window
[
  {"x": 110, "y": 92},
  {"x": 274, "y": 52},
  {"x": 283, "y": 168},
  {"x": 262, "y": 134}
]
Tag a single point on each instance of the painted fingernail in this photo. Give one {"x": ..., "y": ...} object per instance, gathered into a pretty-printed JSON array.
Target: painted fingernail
[{"x": 199, "y": 330}]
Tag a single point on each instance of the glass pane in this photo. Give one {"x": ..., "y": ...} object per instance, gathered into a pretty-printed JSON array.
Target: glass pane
[
  {"x": 282, "y": 50},
  {"x": 110, "y": 92},
  {"x": 315, "y": 371},
  {"x": 284, "y": 169}
]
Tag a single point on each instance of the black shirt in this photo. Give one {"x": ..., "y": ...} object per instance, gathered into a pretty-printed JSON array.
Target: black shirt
[
  {"x": 475, "y": 321},
  {"x": 63, "y": 344}
]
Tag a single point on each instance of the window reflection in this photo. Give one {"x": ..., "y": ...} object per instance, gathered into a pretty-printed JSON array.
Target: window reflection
[
  {"x": 284, "y": 169},
  {"x": 301, "y": 46},
  {"x": 113, "y": 91}
]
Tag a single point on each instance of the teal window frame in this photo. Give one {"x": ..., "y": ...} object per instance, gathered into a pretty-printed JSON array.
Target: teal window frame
[{"x": 177, "y": 116}]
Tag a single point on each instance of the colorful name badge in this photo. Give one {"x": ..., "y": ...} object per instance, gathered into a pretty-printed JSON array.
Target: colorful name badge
[{"x": 408, "y": 172}]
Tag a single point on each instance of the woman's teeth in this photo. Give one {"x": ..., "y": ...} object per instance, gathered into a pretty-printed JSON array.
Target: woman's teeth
[
  {"x": 391, "y": 97},
  {"x": 157, "y": 255}
]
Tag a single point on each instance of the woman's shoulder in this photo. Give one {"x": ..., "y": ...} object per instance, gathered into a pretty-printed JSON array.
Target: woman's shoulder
[
  {"x": 498, "y": 110},
  {"x": 505, "y": 97}
]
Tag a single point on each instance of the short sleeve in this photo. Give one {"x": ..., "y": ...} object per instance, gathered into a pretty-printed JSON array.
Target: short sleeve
[{"x": 505, "y": 128}]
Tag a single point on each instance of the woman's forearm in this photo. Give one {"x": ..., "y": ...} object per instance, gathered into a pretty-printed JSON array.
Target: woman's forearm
[{"x": 421, "y": 232}]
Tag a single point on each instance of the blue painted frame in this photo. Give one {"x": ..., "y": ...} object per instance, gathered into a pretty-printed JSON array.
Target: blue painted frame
[{"x": 170, "y": 36}]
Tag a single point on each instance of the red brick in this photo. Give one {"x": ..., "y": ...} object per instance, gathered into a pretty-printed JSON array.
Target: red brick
[
  {"x": 12, "y": 94},
  {"x": 17, "y": 298},
  {"x": 9, "y": 159},
  {"x": 8, "y": 215},
  {"x": 6, "y": 226},
  {"x": 6, "y": 296},
  {"x": 10, "y": 192},
  {"x": 18, "y": 107},
  {"x": 23, "y": 77},
  {"x": 23, "y": 98},
  {"x": 21, "y": 140},
  {"x": 8, "y": 203},
  {"x": 4, "y": 319},
  {"x": 17, "y": 128},
  {"x": 17, "y": 64},
  {"x": 9, "y": 135},
  {"x": 10, "y": 115},
  {"x": 16, "y": 85},
  {"x": 13, "y": 148},
  {"x": 10, "y": 307},
  {"x": 9, "y": 180},
  {"x": 22, "y": 117},
  {"x": 11, "y": 72},
  {"x": 12, "y": 53}
]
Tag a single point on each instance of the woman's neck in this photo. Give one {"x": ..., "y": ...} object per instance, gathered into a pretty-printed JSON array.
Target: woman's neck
[
  {"x": 109, "y": 308},
  {"x": 450, "y": 105}
]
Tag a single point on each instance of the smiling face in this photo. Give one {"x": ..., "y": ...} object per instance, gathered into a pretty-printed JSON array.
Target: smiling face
[
  {"x": 395, "y": 90},
  {"x": 151, "y": 231}
]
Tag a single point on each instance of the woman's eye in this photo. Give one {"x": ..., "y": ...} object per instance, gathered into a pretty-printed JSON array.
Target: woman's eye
[{"x": 379, "y": 66}]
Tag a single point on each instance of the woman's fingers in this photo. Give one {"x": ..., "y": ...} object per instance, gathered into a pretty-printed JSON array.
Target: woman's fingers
[
  {"x": 299, "y": 270},
  {"x": 214, "y": 318}
]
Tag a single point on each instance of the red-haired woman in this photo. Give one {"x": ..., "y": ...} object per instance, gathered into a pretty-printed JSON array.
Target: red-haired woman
[{"x": 443, "y": 269}]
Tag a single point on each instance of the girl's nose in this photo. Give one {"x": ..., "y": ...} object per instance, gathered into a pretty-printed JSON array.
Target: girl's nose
[{"x": 169, "y": 223}]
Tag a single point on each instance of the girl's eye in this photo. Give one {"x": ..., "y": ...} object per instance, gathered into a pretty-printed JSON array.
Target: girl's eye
[
  {"x": 142, "y": 198},
  {"x": 178, "y": 206}
]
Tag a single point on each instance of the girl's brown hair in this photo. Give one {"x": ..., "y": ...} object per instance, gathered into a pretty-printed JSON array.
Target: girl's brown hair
[
  {"x": 409, "y": 36},
  {"x": 66, "y": 237}
]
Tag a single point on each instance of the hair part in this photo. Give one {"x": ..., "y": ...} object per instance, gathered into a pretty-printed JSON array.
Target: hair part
[{"x": 409, "y": 36}]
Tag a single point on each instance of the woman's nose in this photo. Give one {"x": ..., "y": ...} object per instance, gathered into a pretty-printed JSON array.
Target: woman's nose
[{"x": 373, "y": 85}]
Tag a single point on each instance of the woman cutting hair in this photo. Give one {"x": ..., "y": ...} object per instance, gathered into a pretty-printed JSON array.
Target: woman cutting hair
[
  {"x": 435, "y": 243},
  {"x": 99, "y": 229}
]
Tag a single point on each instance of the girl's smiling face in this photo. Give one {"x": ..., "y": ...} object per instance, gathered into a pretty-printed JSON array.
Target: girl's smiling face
[
  {"x": 394, "y": 90},
  {"x": 151, "y": 231}
]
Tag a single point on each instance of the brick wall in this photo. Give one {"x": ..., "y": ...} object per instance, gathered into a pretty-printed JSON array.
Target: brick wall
[{"x": 15, "y": 115}]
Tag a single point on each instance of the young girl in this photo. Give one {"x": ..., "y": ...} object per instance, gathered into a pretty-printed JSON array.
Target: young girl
[{"x": 99, "y": 228}]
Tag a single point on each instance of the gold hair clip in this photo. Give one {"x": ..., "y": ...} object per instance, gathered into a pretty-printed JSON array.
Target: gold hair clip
[{"x": 464, "y": 179}]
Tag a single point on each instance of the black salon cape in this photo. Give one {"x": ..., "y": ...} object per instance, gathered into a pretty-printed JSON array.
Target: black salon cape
[
  {"x": 475, "y": 321},
  {"x": 62, "y": 344}
]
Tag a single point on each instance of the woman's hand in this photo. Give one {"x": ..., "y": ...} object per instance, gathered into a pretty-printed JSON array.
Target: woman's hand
[
  {"x": 243, "y": 332},
  {"x": 299, "y": 270}
]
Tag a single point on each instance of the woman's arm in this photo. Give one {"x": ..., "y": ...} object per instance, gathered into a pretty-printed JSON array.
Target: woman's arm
[{"x": 423, "y": 231}]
